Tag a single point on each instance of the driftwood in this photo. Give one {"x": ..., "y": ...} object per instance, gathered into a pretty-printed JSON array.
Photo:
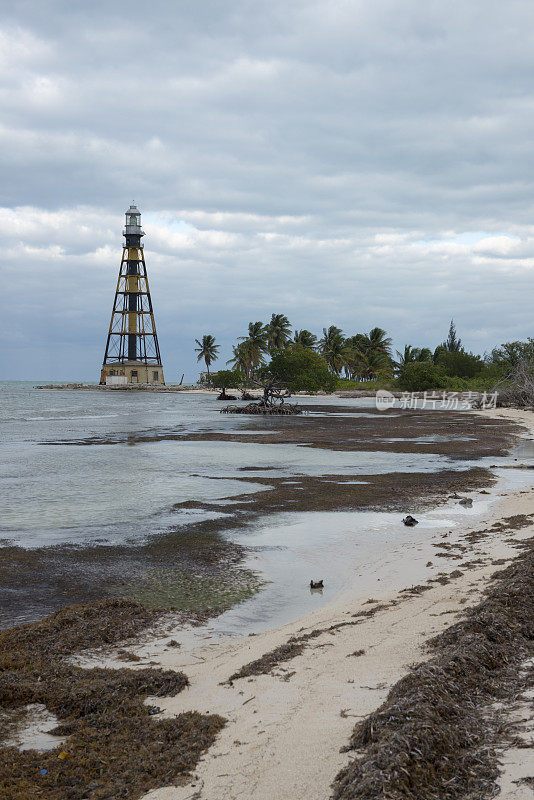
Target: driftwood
[
  {"x": 284, "y": 409},
  {"x": 272, "y": 402},
  {"x": 517, "y": 389}
]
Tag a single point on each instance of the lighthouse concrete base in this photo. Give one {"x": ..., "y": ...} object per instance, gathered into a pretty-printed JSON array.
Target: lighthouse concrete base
[{"x": 132, "y": 372}]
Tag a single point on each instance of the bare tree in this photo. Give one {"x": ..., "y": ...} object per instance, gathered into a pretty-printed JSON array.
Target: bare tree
[{"x": 517, "y": 388}]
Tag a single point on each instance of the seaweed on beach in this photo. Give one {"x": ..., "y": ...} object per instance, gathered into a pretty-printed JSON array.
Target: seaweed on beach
[
  {"x": 296, "y": 644},
  {"x": 195, "y": 572},
  {"x": 284, "y": 652},
  {"x": 115, "y": 746},
  {"x": 264, "y": 665},
  {"x": 436, "y": 734},
  {"x": 350, "y": 428},
  {"x": 71, "y": 629}
]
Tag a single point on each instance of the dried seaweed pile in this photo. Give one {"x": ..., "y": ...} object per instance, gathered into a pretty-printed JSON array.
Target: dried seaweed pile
[
  {"x": 434, "y": 736},
  {"x": 114, "y": 748},
  {"x": 267, "y": 662},
  {"x": 296, "y": 644},
  {"x": 284, "y": 409}
]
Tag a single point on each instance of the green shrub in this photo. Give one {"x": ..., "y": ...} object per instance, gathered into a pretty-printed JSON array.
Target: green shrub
[
  {"x": 299, "y": 369},
  {"x": 458, "y": 363},
  {"x": 226, "y": 379},
  {"x": 422, "y": 376}
]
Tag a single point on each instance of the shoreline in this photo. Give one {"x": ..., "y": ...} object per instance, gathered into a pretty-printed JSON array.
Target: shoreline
[
  {"x": 305, "y": 683},
  {"x": 286, "y": 727},
  {"x": 310, "y": 463},
  {"x": 446, "y": 395}
]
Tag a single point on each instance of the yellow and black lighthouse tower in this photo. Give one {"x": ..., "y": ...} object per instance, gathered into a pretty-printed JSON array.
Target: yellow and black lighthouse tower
[{"x": 132, "y": 350}]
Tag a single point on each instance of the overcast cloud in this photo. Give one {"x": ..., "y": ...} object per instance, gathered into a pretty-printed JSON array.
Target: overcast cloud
[{"x": 357, "y": 163}]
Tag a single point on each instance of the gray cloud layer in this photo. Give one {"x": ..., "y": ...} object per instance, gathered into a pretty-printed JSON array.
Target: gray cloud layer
[{"x": 338, "y": 161}]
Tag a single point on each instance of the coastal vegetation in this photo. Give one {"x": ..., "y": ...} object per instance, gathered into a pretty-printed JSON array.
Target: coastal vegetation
[
  {"x": 227, "y": 379},
  {"x": 335, "y": 360},
  {"x": 295, "y": 369},
  {"x": 300, "y": 369}
]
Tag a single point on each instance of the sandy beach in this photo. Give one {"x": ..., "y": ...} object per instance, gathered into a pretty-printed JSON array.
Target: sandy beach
[
  {"x": 286, "y": 729},
  {"x": 267, "y": 401},
  {"x": 273, "y": 710}
]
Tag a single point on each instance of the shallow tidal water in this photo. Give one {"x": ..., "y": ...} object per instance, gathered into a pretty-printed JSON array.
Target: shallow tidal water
[
  {"x": 54, "y": 490},
  {"x": 355, "y": 552},
  {"x": 73, "y": 470}
]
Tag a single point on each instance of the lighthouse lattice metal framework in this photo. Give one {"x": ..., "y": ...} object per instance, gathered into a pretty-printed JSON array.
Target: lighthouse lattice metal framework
[{"x": 132, "y": 350}]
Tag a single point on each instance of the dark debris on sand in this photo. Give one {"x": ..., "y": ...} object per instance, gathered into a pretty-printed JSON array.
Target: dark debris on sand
[
  {"x": 436, "y": 734},
  {"x": 114, "y": 747},
  {"x": 267, "y": 662},
  {"x": 296, "y": 644}
]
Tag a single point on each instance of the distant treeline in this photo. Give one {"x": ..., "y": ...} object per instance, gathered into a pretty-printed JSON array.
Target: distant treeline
[{"x": 363, "y": 360}]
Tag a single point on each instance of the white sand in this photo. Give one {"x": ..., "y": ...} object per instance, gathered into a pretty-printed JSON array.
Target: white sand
[
  {"x": 33, "y": 730},
  {"x": 284, "y": 731}
]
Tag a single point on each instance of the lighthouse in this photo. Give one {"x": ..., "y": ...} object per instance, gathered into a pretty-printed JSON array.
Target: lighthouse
[{"x": 132, "y": 351}]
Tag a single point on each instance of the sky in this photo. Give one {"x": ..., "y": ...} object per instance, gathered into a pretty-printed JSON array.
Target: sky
[{"x": 352, "y": 162}]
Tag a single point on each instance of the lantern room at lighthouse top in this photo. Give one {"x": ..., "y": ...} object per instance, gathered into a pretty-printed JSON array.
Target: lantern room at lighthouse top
[{"x": 133, "y": 222}]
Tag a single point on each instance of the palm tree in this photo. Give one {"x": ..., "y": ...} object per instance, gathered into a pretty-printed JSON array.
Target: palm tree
[
  {"x": 410, "y": 355},
  {"x": 353, "y": 356},
  {"x": 374, "y": 364},
  {"x": 379, "y": 341},
  {"x": 241, "y": 359},
  {"x": 305, "y": 339},
  {"x": 278, "y": 332},
  {"x": 407, "y": 357},
  {"x": 207, "y": 350},
  {"x": 356, "y": 352},
  {"x": 332, "y": 347},
  {"x": 255, "y": 344},
  {"x": 355, "y": 349},
  {"x": 367, "y": 355},
  {"x": 329, "y": 335}
]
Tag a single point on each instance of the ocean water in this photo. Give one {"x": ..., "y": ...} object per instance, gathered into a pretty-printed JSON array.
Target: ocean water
[
  {"x": 90, "y": 467},
  {"x": 56, "y": 487}
]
